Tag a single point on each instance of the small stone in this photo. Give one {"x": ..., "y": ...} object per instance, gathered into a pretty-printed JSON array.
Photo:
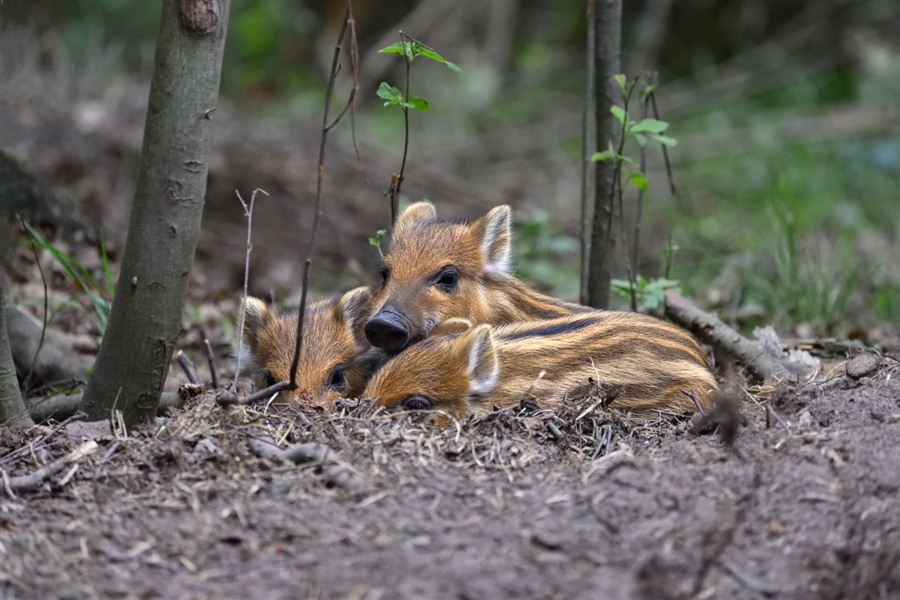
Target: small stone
[{"x": 863, "y": 365}]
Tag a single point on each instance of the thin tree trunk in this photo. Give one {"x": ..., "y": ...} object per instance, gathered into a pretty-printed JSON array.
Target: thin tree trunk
[
  {"x": 589, "y": 138},
  {"x": 134, "y": 358},
  {"x": 12, "y": 409},
  {"x": 602, "y": 240}
]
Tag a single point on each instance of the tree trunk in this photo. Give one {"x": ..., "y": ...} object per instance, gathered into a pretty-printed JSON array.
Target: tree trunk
[
  {"x": 12, "y": 409},
  {"x": 134, "y": 358},
  {"x": 600, "y": 250},
  {"x": 589, "y": 146}
]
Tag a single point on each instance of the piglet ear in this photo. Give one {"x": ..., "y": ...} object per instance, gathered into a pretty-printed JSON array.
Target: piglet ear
[
  {"x": 493, "y": 235},
  {"x": 257, "y": 317},
  {"x": 352, "y": 310},
  {"x": 417, "y": 213},
  {"x": 484, "y": 372},
  {"x": 455, "y": 325}
]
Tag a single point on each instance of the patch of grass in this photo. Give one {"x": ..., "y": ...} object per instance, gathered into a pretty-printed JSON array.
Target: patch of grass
[
  {"x": 786, "y": 229},
  {"x": 102, "y": 302}
]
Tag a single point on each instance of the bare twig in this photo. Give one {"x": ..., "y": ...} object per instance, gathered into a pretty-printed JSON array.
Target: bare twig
[
  {"x": 248, "y": 212},
  {"x": 26, "y": 383},
  {"x": 336, "y": 474},
  {"x": 771, "y": 412},
  {"x": 665, "y": 151},
  {"x": 78, "y": 416},
  {"x": 213, "y": 375},
  {"x": 25, "y": 482},
  {"x": 229, "y": 398},
  {"x": 187, "y": 365},
  {"x": 320, "y": 179}
]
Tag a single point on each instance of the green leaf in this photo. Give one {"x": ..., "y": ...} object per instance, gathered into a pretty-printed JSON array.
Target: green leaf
[
  {"x": 619, "y": 113},
  {"x": 435, "y": 56},
  {"x": 601, "y": 156},
  {"x": 398, "y": 48},
  {"x": 621, "y": 80},
  {"x": 650, "y": 89},
  {"x": 664, "y": 139},
  {"x": 641, "y": 139},
  {"x": 416, "y": 103},
  {"x": 649, "y": 126},
  {"x": 630, "y": 161},
  {"x": 389, "y": 93},
  {"x": 638, "y": 179}
]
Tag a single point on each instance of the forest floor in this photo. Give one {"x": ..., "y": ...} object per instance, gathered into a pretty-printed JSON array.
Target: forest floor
[{"x": 575, "y": 502}]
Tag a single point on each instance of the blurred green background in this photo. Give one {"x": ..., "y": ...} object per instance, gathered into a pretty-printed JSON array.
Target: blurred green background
[{"x": 786, "y": 113}]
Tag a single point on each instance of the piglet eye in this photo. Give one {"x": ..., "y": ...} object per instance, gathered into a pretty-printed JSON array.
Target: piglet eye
[
  {"x": 384, "y": 275},
  {"x": 338, "y": 380},
  {"x": 268, "y": 378},
  {"x": 448, "y": 278},
  {"x": 417, "y": 403}
]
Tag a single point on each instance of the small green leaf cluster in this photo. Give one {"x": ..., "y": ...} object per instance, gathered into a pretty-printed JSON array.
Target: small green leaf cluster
[
  {"x": 376, "y": 241},
  {"x": 641, "y": 131},
  {"x": 391, "y": 94},
  {"x": 650, "y": 294}
]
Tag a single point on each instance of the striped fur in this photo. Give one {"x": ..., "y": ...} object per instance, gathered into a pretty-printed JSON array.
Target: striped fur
[
  {"x": 423, "y": 249},
  {"x": 643, "y": 362},
  {"x": 335, "y": 360}
]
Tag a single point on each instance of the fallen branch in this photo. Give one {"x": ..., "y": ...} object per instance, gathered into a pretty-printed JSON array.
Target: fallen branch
[
  {"x": 709, "y": 328},
  {"x": 26, "y": 482},
  {"x": 63, "y": 406},
  {"x": 56, "y": 361},
  {"x": 336, "y": 475}
]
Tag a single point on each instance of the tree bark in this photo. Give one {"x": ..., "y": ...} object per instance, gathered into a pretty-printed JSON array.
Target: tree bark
[
  {"x": 606, "y": 61},
  {"x": 589, "y": 146},
  {"x": 12, "y": 409},
  {"x": 134, "y": 358}
]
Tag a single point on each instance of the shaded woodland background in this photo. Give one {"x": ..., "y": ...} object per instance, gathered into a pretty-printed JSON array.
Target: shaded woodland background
[{"x": 787, "y": 116}]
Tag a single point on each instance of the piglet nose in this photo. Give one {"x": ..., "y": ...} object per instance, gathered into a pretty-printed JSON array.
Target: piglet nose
[{"x": 387, "y": 331}]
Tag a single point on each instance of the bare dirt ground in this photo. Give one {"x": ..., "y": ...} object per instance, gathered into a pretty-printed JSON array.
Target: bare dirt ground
[{"x": 572, "y": 503}]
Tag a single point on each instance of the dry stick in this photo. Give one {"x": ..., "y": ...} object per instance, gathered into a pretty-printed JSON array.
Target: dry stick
[
  {"x": 248, "y": 212},
  {"x": 781, "y": 421},
  {"x": 229, "y": 398},
  {"x": 24, "y": 482},
  {"x": 212, "y": 364},
  {"x": 187, "y": 365},
  {"x": 26, "y": 383},
  {"x": 336, "y": 475},
  {"x": 712, "y": 330},
  {"x": 78, "y": 416},
  {"x": 319, "y": 188},
  {"x": 62, "y": 406},
  {"x": 354, "y": 66}
]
